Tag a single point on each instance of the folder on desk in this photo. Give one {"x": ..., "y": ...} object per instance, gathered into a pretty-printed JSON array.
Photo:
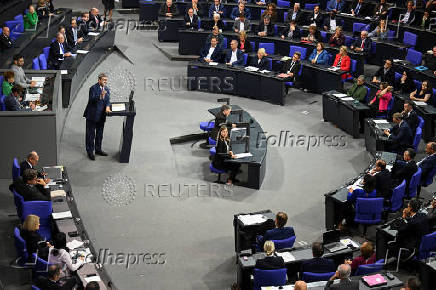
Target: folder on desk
[
  {"x": 340, "y": 95},
  {"x": 421, "y": 68},
  {"x": 252, "y": 219},
  {"x": 74, "y": 244},
  {"x": 58, "y": 193},
  {"x": 118, "y": 107},
  {"x": 62, "y": 215}
]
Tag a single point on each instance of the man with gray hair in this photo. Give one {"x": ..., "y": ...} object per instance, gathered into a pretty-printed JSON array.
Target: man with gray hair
[
  {"x": 95, "y": 113},
  {"x": 343, "y": 273},
  {"x": 57, "y": 52},
  {"x": 358, "y": 91},
  {"x": 363, "y": 43}
]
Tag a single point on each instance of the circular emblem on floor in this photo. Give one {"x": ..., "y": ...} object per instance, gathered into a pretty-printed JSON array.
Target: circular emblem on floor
[{"x": 119, "y": 190}]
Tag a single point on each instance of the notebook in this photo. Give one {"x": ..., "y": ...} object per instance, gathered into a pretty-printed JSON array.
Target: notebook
[{"x": 374, "y": 280}]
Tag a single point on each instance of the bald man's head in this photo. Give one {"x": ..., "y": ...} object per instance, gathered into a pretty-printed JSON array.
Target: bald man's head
[{"x": 300, "y": 285}]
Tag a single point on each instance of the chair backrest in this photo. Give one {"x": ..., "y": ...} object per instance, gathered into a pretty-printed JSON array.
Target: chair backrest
[
  {"x": 35, "y": 64},
  {"x": 282, "y": 3},
  {"x": 391, "y": 34},
  {"x": 368, "y": 210},
  {"x": 414, "y": 182},
  {"x": 357, "y": 26},
  {"x": 285, "y": 243},
  {"x": 269, "y": 47},
  {"x": 35, "y": 288},
  {"x": 18, "y": 200},
  {"x": 309, "y": 277},
  {"x": 421, "y": 122},
  {"x": 224, "y": 42},
  {"x": 285, "y": 15},
  {"x": 199, "y": 23},
  {"x": 20, "y": 247},
  {"x": 370, "y": 268},
  {"x": 429, "y": 179},
  {"x": 15, "y": 169},
  {"x": 324, "y": 36},
  {"x": 41, "y": 266},
  {"x": 391, "y": 104},
  {"x": 43, "y": 210},
  {"x": 42, "y": 61},
  {"x": 269, "y": 60},
  {"x": 245, "y": 58},
  {"x": 428, "y": 245},
  {"x": 276, "y": 29},
  {"x": 2, "y": 102},
  {"x": 417, "y": 139},
  {"x": 397, "y": 196},
  {"x": 294, "y": 48},
  {"x": 353, "y": 66},
  {"x": 409, "y": 38},
  {"x": 310, "y": 6},
  {"x": 397, "y": 77},
  {"x": 253, "y": 45},
  {"x": 268, "y": 278},
  {"x": 46, "y": 51},
  {"x": 418, "y": 84},
  {"x": 349, "y": 40},
  {"x": 414, "y": 56}
]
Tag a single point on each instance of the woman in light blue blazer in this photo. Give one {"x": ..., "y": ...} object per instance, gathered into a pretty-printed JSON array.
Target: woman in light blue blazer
[{"x": 319, "y": 55}]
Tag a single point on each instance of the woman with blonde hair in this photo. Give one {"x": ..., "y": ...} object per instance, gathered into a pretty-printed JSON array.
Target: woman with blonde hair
[
  {"x": 271, "y": 261},
  {"x": 224, "y": 152},
  {"x": 343, "y": 61},
  {"x": 243, "y": 44},
  {"x": 34, "y": 241}
]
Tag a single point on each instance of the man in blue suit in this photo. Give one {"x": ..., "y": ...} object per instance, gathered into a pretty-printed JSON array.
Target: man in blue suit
[
  {"x": 401, "y": 134},
  {"x": 428, "y": 163},
  {"x": 217, "y": 7},
  {"x": 12, "y": 102},
  {"x": 280, "y": 232},
  {"x": 240, "y": 9},
  {"x": 95, "y": 114},
  {"x": 235, "y": 55},
  {"x": 211, "y": 52},
  {"x": 318, "y": 264},
  {"x": 335, "y": 5}
]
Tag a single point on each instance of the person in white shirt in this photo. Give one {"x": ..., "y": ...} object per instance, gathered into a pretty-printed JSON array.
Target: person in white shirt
[
  {"x": 59, "y": 255},
  {"x": 234, "y": 57}
]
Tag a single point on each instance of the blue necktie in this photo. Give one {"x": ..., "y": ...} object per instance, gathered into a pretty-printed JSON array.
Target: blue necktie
[
  {"x": 357, "y": 9},
  {"x": 62, "y": 48},
  {"x": 337, "y": 4}
]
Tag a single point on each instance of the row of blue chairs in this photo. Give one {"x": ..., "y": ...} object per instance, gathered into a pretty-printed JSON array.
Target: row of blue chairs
[
  {"x": 16, "y": 26},
  {"x": 40, "y": 62}
]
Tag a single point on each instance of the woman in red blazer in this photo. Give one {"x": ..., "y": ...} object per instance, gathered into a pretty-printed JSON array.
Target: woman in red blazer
[{"x": 343, "y": 61}]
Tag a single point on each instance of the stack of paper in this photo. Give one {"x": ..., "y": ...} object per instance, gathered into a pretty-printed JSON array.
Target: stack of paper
[
  {"x": 381, "y": 121},
  {"x": 58, "y": 193},
  {"x": 213, "y": 63},
  {"x": 418, "y": 103},
  {"x": 346, "y": 242},
  {"x": 287, "y": 256},
  {"x": 95, "y": 278},
  {"x": 347, "y": 99},
  {"x": 251, "y": 219},
  {"x": 118, "y": 107},
  {"x": 39, "y": 81},
  {"x": 32, "y": 97},
  {"x": 62, "y": 215},
  {"x": 265, "y": 71},
  {"x": 252, "y": 68},
  {"x": 80, "y": 51},
  {"x": 74, "y": 244},
  {"x": 93, "y": 33},
  {"x": 41, "y": 108},
  {"x": 340, "y": 95},
  {"x": 334, "y": 68},
  {"x": 242, "y": 155},
  {"x": 64, "y": 72}
]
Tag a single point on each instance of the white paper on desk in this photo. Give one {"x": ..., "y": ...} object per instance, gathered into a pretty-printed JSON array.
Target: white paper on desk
[
  {"x": 80, "y": 51},
  {"x": 61, "y": 215},
  {"x": 346, "y": 242},
  {"x": 340, "y": 95},
  {"x": 242, "y": 155},
  {"x": 347, "y": 99},
  {"x": 73, "y": 55},
  {"x": 287, "y": 256},
  {"x": 38, "y": 79},
  {"x": 265, "y": 71},
  {"x": 39, "y": 90},
  {"x": 74, "y": 244},
  {"x": 389, "y": 167},
  {"x": 213, "y": 63},
  {"x": 396, "y": 60},
  {"x": 64, "y": 72},
  {"x": 381, "y": 121},
  {"x": 334, "y": 68},
  {"x": 368, "y": 18},
  {"x": 238, "y": 129},
  {"x": 95, "y": 278},
  {"x": 31, "y": 97},
  {"x": 41, "y": 108},
  {"x": 419, "y": 103},
  {"x": 84, "y": 253},
  {"x": 93, "y": 33},
  {"x": 358, "y": 183},
  {"x": 118, "y": 107},
  {"x": 58, "y": 193},
  {"x": 251, "y": 219},
  {"x": 251, "y": 68}
]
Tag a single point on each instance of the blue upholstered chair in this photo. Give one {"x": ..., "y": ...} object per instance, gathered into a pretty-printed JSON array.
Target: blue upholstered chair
[
  {"x": 21, "y": 248},
  {"x": 370, "y": 268},
  {"x": 414, "y": 182},
  {"x": 285, "y": 243},
  {"x": 217, "y": 171},
  {"x": 309, "y": 277},
  {"x": 413, "y": 56},
  {"x": 417, "y": 139},
  {"x": 43, "y": 210},
  {"x": 368, "y": 211},
  {"x": 269, "y": 47},
  {"x": 397, "y": 197},
  {"x": 15, "y": 169},
  {"x": 268, "y": 278}
]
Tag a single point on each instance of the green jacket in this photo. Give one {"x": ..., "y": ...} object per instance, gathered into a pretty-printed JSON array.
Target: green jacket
[
  {"x": 6, "y": 88},
  {"x": 357, "y": 92},
  {"x": 30, "y": 20}
]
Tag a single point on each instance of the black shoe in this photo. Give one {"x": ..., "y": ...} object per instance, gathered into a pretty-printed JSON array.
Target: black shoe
[
  {"x": 101, "y": 153},
  {"x": 91, "y": 156}
]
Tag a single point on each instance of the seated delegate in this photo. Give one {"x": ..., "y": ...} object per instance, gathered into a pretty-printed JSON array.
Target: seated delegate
[
  {"x": 379, "y": 104},
  {"x": 358, "y": 91},
  {"x": 362, "y": 44},
  {"x": 270, "y": 12},
  {"x": 280, "y": 232},
  {"x": 30, "y": 187},
  {"x": 313, "y": 36},
  {"x": 385, "y": 74},
  {"x": 168, "y": 9},
  {"x": 34, "y": 241},
  {"x": 337, "y": 39},
  {"x": 265, "y": 28},
  {"x": 406, "y": 84},
  {"x": 260, "y": 61},
  {"x": 215, "y": 33},
  {"x": 291, "y": 69},
  {"x": 317, "y": 264},
  {"x": 366, "y": 257},
  {"x": 240, "y": 9},
  {"x": 59, "y": 255},
  {"x": 241, "y": 24},
  {"x": 244, "y": 45},
  {"x": 410, "y": 116},
  {"x": 216, "y": 21},
  {"x": 381, "y": 31},
  {"x": 271, "y": 260},
  {"x": 191, "y": 20},
  {"x": 31, "y": 18},
  {"x": 234, "y": 56},
  {"x": 367, "y": 190},
  {"x": 216, "y": 8},
  {"x": 57, "y": 52},
  {"x": 401, "y": 134},
  {"x": 383, "y": 180},
  {"x": 212, "y": 52},
  {"x": 224, "y": 152},
  {"x": 319, "y": 55},
  {"x": 291, "y": 31},
  {"x": 404, "y": 169},
  {"x": 343, "y": 61},
  {"x": 429, "y": 162},
  {"x": 424, "y": 93},
  {"x": 19, "y": 75},
  {"x": 5, "y": 40},
  {"x": 220, "y": 120},
  {"x": 8, "y": 82},
  {"x": 14, "y": 101},
  {"x": 316, "y": 17}
]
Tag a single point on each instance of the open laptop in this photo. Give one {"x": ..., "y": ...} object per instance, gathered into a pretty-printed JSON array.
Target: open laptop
[
  {"x": 331, "y": 241},
  {"x": 54, "y": 172}
]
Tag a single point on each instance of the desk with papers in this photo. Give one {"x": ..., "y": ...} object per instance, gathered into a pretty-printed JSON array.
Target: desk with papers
[{"x": 375, "y": 139}]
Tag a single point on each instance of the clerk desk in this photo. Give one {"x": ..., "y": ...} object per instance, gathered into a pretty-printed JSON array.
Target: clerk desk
[{"x": 375, "y": 139}]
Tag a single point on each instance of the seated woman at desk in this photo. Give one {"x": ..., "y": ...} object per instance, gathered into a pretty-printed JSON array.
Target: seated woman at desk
[
  {"x": 244, "y": 45},
  {"x": 271, "y": 261},
  {"x": 367, "y": 191},
  {"x": 216, "y": 21},
  {"x": 406, "y": 83},
  {"x": 424, "y": 93},
  {"x": 271, "y": 12},
  {"x": 343, "y": 61},
  {"x": 367, "y": 256},
  {"x": 379, "y": 104},
  {"x": 34, "y": 241},
  {"x": 381, "y": 31},
  {"x": 337, "y": 39},
  {"x": 291, "y": 31},
  {"x": 31, "y": 18},
  {"x": 319, "y": 55},
  {"x": 224, "y": 152},
  {"x": 313, "y": 36},
  {"x": 60, "y": 255},
  {"x": 8, "y": 82}
]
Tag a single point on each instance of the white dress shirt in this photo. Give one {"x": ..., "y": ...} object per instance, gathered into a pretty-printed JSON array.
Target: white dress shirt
[{"x": 234, "y": 56}]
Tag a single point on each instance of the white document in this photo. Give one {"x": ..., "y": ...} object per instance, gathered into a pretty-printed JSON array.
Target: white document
[
  {"x": 93, "y": 33},
  {"x": 287, "y": 256},
  {"x": 334, "y": 68},
  {"x": 39, "y": 90},
  {"x": 40, "y": 109},
  {"x": 213, "y": 63},
  {"x": 346, "y": 242},
  {"x": 242, "y": 155},
  {"x": 265, "y": 71},
  {"x": 389, "y": 167},
  {"x": 84, "y": 253},
  {"x": 38, "y": 79},
  {"x": 64, "y": 72},
  {"x": 32, "y": 97},
  {"x": 58, "y": 193},
  {"x": 80, "y": 51},
  {"x": 61, "y": 215},
  {"x": 118, "y": 107},
  {"x": 251, "y": 68},
  {"x": 396, "y": 60},
  {"x": 251, "y": 219},
  {"x": 381, "y": 121},
  {"x": 95, "y": 278},
  {"x": 419, "y": 103},
  {"x": 347, "y": 99},
  {"x": 340, "y": 95},
  {"x": 74, "y": 244}
]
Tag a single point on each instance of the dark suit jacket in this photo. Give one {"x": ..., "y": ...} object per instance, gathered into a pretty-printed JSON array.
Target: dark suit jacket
[
  {"x": 319, "y": 20},
  {"x": 212, "y": 10},
  {"x": 199, "y": 12},
  {"x": 295, "y": 34},
  {"x": 427, "y": 165},
  {"x": 216, "y": 55},
  {"x": 402, "y": 137},
  {"x": 383, "y": 184},
  {"x": 54, "y": 55},
  {"x": 192, "y": 24},
  {"x": 24, "y": 165},
  {"x": 5, "y": 42},
  {"x": 221, "y": 154},
  {"x": 31, "y": 192},
  {"x": 413, "y": 120},
  {"x": 363, "y": 11},
  {"x": 235, "y": 13},
  {"x": 70, "y": 35},
  {"x": 269, "y": 28},
  {"x": 96, "y": 107},
  {"x": 294, "y": 69},
  {"x": 366, "y": 46},
  {"x": 12, "y": 104},
  {"x": 411, "y": 230},
  {"x": 46, "y": 284},
  {"x": 239, "y": 56},
  {"x": 270, "y": 263},
  {"x": 298, "y": 17},
  {"x": 83, "y": 26},
  {"x": 318, "y": 265},
  {"x": 263, "y": 64},
  {"x": 404, "y": 170},
  {"x": 278, "y": 234},
  {"x": 220, "y": 119},
  {"x": 389, "y": 77},
  {"x": 92, "y": 22},
  {"x": 32, "y": 239},
  {"x": 344, "y": 284}
]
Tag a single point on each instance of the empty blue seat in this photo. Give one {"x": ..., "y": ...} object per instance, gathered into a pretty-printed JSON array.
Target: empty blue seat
[
  {"x": 421, "y": 122},
  {"x": 269, "y": 47},
  {"x": 417, "y": 139},
  {"x": 35, "y": 64},
  {"x": 309, "y": 277},
  {"x": 285, "y": 15},
  {"x": 349, "y": 40},
  {"x": 268, "y": 278},
  {"x": 282, "y": 3},
  {"x": 207, "y": 126},
  {"x": 42, "y": 61},
  {"x": 427, "y": 246},
  {"x": 217, "y": 171},
  {"x": 285, "y": 243},
  {"x": 46, "y": 51},
  {"x": 245, "y": 58},
  {"x": 212, "y": 151},
  {"x": 414, "y": 56},
  {"x": 310, "y": 6},
  {"x": 212, "y": 141},
  {"x": 409, "y": 38},
  {"x": 18, "y": 200},
  {"x": 224, "y": 45},
  {"x": 397, "y": 197},
  {"x": 368, "y": 211},
  {"x": 429, "y": 179},
  {"x": 15, "y": 169},
  {"x": 358, "y": 27},
  {"x": 414, "y": 182}
]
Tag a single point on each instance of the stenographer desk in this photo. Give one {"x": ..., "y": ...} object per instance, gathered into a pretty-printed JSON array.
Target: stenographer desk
[
  {"x": 420, "y": 75},
  {"x": 319, "y": 78},
  {"x": 347, "y": 115},
  {"x": 226, "y": 79},
  {"x": 375, "y": 139},
  {"x": 253, "y": 166}
]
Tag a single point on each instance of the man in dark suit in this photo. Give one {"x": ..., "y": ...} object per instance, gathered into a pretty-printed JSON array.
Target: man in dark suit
[
  {"x": 359, "y": 8},
  {"x": 363, "y": 43},
  {"x": 343, "y": 273},
  {"x": 51, "y": 282},
  {"x": 83, "y": 24},
  {"x": 409, "y": 16},
  {"x": 260, "y": 61},
  {"x": 30, "y": 187},
  {"x": 291, "y": 68},
  {"x": 330, "y": 22},
  {"x": 168, "y": 9},
  {"x": 211, "y": 52},
  {"x": 265, "y": 28},
  {"x": 94, "y": 21},
  {"x": 74, "y": 33},
  {"x": 318, "y": 264},
  {"x": 95, "y": 113},
  {"x": 383, "y": 180},
  {"x": 31, "y": 162},
  {"x": 196, "y": 8},
  {"x": 240, "y": 9},
  {"x": 428, "y": 163},
  {"x": 221, "y": 119},
  {"x": 235, "y": 55},
  {"x": 191, "y": 20},
  {"x": 385, "y": 74},
  {"x": 280, "y": 232},
  {"x": 295, "y": 14},
  {"x": 216, "y": 7},
  {"x": 401, "y": 134},
  {"x": 5, "y": 40},
  {"x": 13, "y": 101},
  {"x": 57, "y": 52},
  {"x": 316, "y": 18},
  {"x": 410, "y": 116},
  {"x": 404, "y": 169}
]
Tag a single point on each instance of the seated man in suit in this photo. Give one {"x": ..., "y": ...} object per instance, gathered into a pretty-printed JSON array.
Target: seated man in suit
[
  {"x": 261, "y": 61},
  {"x": 358, "y": 91},
  {"x": 57, "y": 52},
  {"x": 168, "y": 9},
  {"x": 428, "y": 163},
  {"x": 74, "y": 34},
  {"x": 295, "y": 14},
  {"x": 196, "y": 8},
  {"x": 31, "y": 162},
  {"x": 212, "y": 52},
  {"x": 409, "y": 16},
  {"x": 234, "y": 56},
  {"x": 221, "y": 119},
  {"x": 318, "y": 264},
  {"x": 385, "y": 74},
  {"x": 335, "y": 5},
  {"x": 215, "y": 33},
  {"x": 271, "y": 261},
  {"x": 265, "y": 28},
  {"x": 291, "y": 68},
  {"x": 240, "y": 9},
  {"x": 241, "y": 24},
  {"x": 279, "y": 233},
  {"x": 30, "y": 187},
  {"x": 359, "y": 8},
  {"x": 52, "y": 281},
  {"x": 95, "y": 21},
  {"x": 383, "y": 180},
  {"x": 14, "y": 99},
  {"x": 410, "y": 116},
  {"x": 191, "y": 20},
  {"x": 404, "y": 169},
  {"x": 316, "y": 17},
  {"x": 68, "y": 46},
  {"x": 401, "y": 134},
  {"x": 216, "y": 7},
  {"x": 5, "y": 40},
  {"x": 343, "y": 273},
  {"x": 83, "y": 24},
  {"x": 291, "y": 31},
  {"x": 363, "y": 43}
]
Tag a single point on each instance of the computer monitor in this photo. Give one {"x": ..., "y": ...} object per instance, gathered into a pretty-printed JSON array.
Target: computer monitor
[
  {"x": 331, "y": 237},
  {"x": 224, "y": 100}
]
